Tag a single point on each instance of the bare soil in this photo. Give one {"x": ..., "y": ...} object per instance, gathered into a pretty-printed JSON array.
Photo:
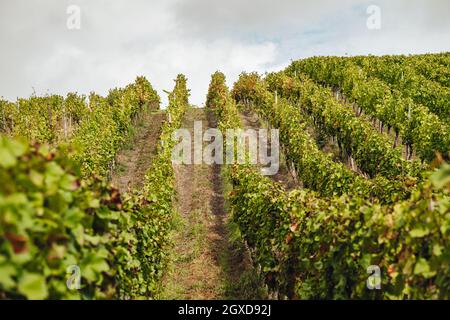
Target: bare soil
[
  {"x": 250, "y": 120},
  {"x": 135, "y": 158},
  {"x": 206, "y": 263}
]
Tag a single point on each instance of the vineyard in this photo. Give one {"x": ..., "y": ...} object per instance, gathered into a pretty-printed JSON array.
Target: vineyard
[{"x": 93, "y": 207}]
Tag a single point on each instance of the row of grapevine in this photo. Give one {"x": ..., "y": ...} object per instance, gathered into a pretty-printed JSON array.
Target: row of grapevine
[
  {"x": 42, "y": 118},
  {"x": 312, "y": 247},
  {"x": 95, "y": 129},
  {"x": 316, "y": 169},
  {"x": 98, "y": 138},
  {"x": 68, "y": 235},
  {"x": 434, "y": 67},
  {"x": 418, "y": 128},
  {"x": 322, "y": 248},
  {"x": 159, "y": 194},
  {"x": 371, "y": 150},
  {"x": 54, "y": 118},
  {"x": 403, "y": 77},
  {"x": 64, "y": 237}
]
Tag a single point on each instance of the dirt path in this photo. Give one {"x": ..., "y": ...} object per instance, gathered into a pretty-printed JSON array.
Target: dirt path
[
  {"x": 136, "y": 155},
  {"x": 206, "y": 263},
  {"x": 250, "y": 120}
]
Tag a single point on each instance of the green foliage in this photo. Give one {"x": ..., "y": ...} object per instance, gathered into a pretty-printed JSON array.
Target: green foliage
[
  {"x": 51, "y": 220},
  {"x": 320, "y": 248},
  {"x": 401, "y": 75},
  {"x": 56, "y": 213},
  {"x": 434, "y": 67},
  {"x": 221, "y": 103},
  {"x": 145, "y": 93},
  {"x": 316, "y": 169},
  {"x": 101, "y": 134},
  {"x": 158, "y": 192},
  {"x": 419, "y": 128},
  {"x": 180, "y": 94},
  {"x": 371, "y": 150},
  {"x": 37, "y": 118},
  {"x": 314, "y": 247},
  {"x": 52, "y": 119}
]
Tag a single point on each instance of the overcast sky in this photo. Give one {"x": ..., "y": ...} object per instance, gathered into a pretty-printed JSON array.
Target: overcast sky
[{"x": 120, "y": 39}]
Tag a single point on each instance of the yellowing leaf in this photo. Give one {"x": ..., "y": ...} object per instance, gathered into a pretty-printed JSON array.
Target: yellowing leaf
[
  {"x": 33, "y": 286},
  {"x": 419, "y": 233},
  {"x": 423, "y": 268},
  {"x": 6, "y": 273}
]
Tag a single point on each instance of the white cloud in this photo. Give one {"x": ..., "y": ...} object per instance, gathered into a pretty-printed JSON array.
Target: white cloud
[
  {"x": 198, "y": 60},
  {"x": 121, "y": 39}
]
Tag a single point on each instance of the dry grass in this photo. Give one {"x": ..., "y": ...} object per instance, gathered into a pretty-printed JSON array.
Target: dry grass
[
  {"x": 136, "y": 155},
  {"x": 206, "y": 263}
]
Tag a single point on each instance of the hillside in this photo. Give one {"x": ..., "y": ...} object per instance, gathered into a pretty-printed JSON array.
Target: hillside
[{"x": 94, "y": 204}]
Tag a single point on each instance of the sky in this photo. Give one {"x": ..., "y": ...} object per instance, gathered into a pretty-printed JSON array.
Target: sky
[{"x": 48, "y": 48}]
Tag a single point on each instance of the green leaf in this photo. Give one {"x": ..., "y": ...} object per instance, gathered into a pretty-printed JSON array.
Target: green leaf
[
  {"x": 9, "y": 151},
  {"x": 437, "y": 249},
  {"x": 78, "y": 232},
  {"x": 44, "y": 150},
  {"x": 419, "y": 232},
  {"x": 93, "y": 265},
  {"x": 36, "y": 178},
  {"x": 423, "y": 268},
  {"x": 53, "y": 174},
  {"x": 94, "y": 203},
  {"x": 6, "y": 274},
  {"x": 441, "y": 178},
  {"x": 33, "y": 286},
  {"x": 7, "y": 160},
  {"x": 318, "y": 265},
  {"x": 16, "y": 148}
]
